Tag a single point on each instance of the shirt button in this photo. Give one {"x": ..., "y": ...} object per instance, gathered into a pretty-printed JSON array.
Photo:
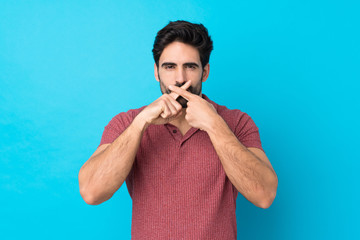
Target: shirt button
[{"x": 174, "y": 131}]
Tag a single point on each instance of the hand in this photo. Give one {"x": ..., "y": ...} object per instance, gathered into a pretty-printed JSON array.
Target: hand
[
  {"x": 164, "y": 109},
  {"x": 199, "y": 112}
]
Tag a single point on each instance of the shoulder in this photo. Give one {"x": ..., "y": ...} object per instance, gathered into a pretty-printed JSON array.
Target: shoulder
[
  {"x": 235, "y": 118},
  {"x": 117, "y": 125},
  {"x": 242, "y": 125},
  {"x": 123, "y": 119},
  {"x": 130, "y": 114}
]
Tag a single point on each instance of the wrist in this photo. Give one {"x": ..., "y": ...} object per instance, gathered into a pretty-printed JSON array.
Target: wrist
[
  {"x": 140, "y": 124},
  {"x": 216, "y": 125}
]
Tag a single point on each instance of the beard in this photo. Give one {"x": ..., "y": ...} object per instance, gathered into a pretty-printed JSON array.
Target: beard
[{"x": 183, "y": 102}]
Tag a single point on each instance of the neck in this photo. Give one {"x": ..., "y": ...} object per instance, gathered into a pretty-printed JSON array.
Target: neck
[{"x": 181, "y": 122}]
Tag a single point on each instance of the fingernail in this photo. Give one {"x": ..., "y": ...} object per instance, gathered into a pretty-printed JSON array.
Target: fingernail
[{"x": 170, "y": 87}]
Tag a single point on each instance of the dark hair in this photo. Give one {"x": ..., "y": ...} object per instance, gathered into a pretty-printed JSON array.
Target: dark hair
[{"x": 193, "y": 34}]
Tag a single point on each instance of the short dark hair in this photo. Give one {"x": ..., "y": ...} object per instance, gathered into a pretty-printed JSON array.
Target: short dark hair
[{"x": 193, "y": 34}]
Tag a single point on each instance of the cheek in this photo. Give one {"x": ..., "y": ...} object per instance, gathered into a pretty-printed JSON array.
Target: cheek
[
  {"x": 194, "y": 73},
  {"x": 166, "y": 75},
  {"x": 197, "y": 76}
]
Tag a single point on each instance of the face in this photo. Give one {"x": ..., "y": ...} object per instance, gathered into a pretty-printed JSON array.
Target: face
[{"x": 179, "y": 63}]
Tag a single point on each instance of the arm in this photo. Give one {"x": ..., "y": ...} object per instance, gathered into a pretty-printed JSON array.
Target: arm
[
  {"x": 248, "y": 169},
  {"x": 106, "y": 170}
]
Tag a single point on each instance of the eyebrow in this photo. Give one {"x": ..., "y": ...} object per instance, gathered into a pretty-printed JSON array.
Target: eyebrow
[
  {"x": 168, "y": 64},
  {"x": 174, "y": 64},
  {"x": 191, "y": 64}
]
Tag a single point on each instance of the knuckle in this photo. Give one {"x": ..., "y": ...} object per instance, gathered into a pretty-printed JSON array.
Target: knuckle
[
  {"x": 164, "y": 97},
  {"x": 178, "y": 106},
  {"x": 162, "y": 101}
]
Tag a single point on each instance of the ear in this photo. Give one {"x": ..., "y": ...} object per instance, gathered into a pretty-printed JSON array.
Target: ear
[
  {"x": 206, "y": 72},
  {"x": 156, "y": 72}
]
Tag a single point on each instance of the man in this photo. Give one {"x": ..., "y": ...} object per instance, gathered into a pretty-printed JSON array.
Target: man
[{"x": 184, "y": 158}]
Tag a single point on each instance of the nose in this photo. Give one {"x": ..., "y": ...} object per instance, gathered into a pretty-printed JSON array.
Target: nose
[{"x": 181, "y": 76}]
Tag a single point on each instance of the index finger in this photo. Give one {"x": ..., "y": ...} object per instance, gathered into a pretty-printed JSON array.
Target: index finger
[
  {"x": 185, "y": 86},
  {"x": 185, "y": 94}
]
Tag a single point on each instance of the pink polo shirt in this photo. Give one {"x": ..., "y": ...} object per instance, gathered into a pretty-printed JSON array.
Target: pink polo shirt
[{"x": 177, "y": 184}]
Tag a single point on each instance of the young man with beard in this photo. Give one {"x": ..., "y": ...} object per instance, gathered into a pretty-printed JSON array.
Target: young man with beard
[{"x": 184, "y": 158}]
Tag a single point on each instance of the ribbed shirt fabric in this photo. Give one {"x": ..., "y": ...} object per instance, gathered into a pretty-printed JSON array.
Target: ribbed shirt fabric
[{"x": 177, "y": 184}]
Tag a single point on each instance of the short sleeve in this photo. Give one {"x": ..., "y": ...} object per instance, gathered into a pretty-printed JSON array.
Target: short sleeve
[
  {"x": 115, "y": 127},
  {"x": 247, "y": 132}
]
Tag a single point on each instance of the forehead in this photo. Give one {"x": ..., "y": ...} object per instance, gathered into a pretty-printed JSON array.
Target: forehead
[{"x": 179, "y": 52}]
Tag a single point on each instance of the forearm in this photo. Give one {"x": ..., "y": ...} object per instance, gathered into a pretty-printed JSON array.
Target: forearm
[
  {"x": 252, "y": 177},
  {"x": 102, "y": 175}
]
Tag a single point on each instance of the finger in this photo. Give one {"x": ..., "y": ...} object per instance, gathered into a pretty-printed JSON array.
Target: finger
[
  {"x": 185, "y": 86},
  {"x": 171, "y": 105},
  {"x": 166, "y": 111},
  {"x": 185, "y": 94},
  {"x": 175, "y": 116},
  {"x": 175, "y": 104}
]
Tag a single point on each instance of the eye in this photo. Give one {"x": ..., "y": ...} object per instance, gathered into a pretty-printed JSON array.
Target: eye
[
  {"x": 191, "y": 66},
  {"x": 169, "y": 67}
]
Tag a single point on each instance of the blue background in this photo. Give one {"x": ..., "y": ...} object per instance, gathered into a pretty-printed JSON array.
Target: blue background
[{"x": 67, "y": 67}]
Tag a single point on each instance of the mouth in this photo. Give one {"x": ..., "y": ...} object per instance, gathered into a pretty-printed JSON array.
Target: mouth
[{"x": 180, "y": 99}]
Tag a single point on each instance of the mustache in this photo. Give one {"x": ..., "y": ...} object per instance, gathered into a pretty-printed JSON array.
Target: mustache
[
  {"x": 180, "y": 99},
  {"x": 190, "y": 89}
]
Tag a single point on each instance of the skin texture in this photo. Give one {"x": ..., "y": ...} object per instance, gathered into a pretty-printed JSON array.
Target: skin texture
[
  {"x": 178, "y": 64},
  {"x": 195, "y": 90},
  {"x": 248, "y": 169}
]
